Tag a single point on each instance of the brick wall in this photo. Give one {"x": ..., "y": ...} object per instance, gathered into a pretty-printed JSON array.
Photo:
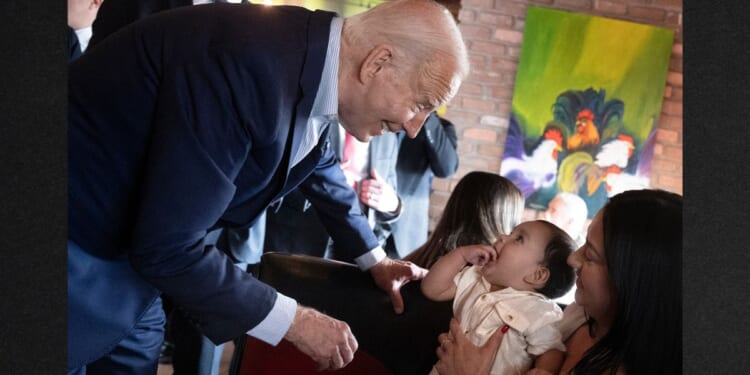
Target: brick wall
[{"x": 493, "y": 31}]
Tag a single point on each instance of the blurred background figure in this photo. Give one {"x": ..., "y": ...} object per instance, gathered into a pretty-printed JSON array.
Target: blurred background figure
[
  {"x": 431, "y": 153},
  {"x": 370, "y": 169},
  {"x": 568, "y": 211},
  {"x": 81, "y": 15}
]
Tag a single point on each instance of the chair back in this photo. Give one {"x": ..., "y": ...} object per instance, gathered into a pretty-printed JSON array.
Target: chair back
[{"x": 388, "y": 343}]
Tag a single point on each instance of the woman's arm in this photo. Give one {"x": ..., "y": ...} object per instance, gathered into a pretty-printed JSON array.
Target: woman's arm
[
  {"x": 548, "y": 363},
  {"x": 438, "y": 285}
]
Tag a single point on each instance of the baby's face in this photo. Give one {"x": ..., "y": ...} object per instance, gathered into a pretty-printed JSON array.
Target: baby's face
[{"x": 518, "y": 254}]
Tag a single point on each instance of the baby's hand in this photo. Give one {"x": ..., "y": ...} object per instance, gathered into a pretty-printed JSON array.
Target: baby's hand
[{"x": 478, "y": 255}]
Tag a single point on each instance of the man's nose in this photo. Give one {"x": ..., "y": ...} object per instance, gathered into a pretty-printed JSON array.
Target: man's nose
[{"x": 413, "y": 126}]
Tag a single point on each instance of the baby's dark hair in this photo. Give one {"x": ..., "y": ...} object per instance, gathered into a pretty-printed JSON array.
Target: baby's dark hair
[{"x": 561, "y": 275}]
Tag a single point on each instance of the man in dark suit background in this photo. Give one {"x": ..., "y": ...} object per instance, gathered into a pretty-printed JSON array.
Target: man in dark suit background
[
  {"x": 201, "y": 117},
  {"x": 377, "y": 196},
  {"x": 431, "y": 153}
]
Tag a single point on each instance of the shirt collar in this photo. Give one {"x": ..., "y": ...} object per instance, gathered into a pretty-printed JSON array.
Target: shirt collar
[{"x": 327, "y": 97}]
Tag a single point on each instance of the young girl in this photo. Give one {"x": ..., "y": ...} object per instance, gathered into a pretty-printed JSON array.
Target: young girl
[
  {"x": 508, "y": 284},
  {"x": 481, "y": 207}
]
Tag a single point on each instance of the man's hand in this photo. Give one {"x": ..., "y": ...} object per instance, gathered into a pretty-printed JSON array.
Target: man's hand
[
  {"x": 378, "y": 194},
  {"x": 390, "y": 275},
  {"x": 458, "y": 356},
  {"x": 328, "y": 341}
]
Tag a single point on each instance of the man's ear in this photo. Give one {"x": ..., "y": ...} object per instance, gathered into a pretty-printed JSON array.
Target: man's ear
[
  {"x": 378, "y": 57},
  {"x": 538, "y": 278}
]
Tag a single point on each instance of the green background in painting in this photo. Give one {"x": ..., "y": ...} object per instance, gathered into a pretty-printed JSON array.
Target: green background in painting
[{"x": 566, "y": 51}]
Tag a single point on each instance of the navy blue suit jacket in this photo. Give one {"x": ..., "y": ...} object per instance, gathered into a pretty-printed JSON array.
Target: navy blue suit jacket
[
  {"x": 296, "y": 214},
  {"x": 185, "y": 121},
  {"x": 432, "y": 152}
]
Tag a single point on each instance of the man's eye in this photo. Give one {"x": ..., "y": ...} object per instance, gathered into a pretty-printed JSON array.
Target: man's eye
[{"x": 519, "y": 239}]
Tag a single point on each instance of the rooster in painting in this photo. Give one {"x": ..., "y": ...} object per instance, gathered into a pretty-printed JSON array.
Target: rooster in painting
[
  {"x": 531, "y": 172},
  {"x": 586, "y": 132}
]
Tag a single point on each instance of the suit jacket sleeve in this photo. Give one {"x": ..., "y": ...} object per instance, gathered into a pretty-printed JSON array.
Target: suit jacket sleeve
[
  {"x": 188, "y": 183},
  {"x": 440, "y": 144},
  {"x": 338, "y": 208}
]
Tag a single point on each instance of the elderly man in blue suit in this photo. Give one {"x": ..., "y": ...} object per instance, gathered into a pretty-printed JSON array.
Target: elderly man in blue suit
[{"x": 200, "y": 117}]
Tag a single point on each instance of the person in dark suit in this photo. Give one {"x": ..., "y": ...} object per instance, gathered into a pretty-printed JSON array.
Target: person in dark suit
[
  {"x": 373, "y": 176},
  {"x": 184, "y": 347},
  {"x": 431, "y": 153},
  {"x": 81, "y": 15},
  {"x": 199, "y": 118}
]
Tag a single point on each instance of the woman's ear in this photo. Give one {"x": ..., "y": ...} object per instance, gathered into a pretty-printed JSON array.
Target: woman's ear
[
  {"x": 378, "y": 57},
  {"x": 538, "y": 278}
]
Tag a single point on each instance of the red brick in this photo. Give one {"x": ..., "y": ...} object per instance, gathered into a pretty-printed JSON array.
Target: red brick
[
  {"x": 675, "y": 3},
  {"x": 487, "y": 47},
  {"x": 672, "y": 108},
  {"x": 481, "y": 105},
  {"x": 673, "y": 152},
  {"x": 466, "y": 15},
  {"x": 504, "y": 108},
  {"x": 674, "y": 78},
  {"x": 519, "y": 24},
  {"x": 675, "y": 64},
  {"x": 650, "y": 14},
  {"x": 477, "y": 62},
  {"x": 509, "y": 8},
  {"x": 496, "y": 20},
  {"x": 502, "y": 92},
  {"x": 509, "y": 36},
  {"x": 668, "y": 92},
  {"x": 667, "y": 136},
  {"x": 670, "y": 122},
  {"x": 663, "y": 165},
  {"x": 481, "y": 4},
  {"x": 486, "y": 135},
  {"x": 673, "y": 19},
  {"x": 503, "y": 64},
  {"x": 658, "y": 149},
  {"x": 465, "y": 147},
  {"x": 541, "y": 1},
  {"x": 610, "y": 7},
  {"x": 439, "y": 198},
  {"x": 460, "y": 117},
  {"x": 469, "y": 31},
  {"x": 494, "y": 121},
  {"x": 671, "y": 183},
  {"x": 676, "y": 93},
  {"x": 491, "y": 150},
  {"x": 441, "y": 184},
  {"x": 513, "y": 51},
  {"x": 580, "y": 4},
  {"x": 677, "y": 49},
  {"x": 471, "y": 88}
]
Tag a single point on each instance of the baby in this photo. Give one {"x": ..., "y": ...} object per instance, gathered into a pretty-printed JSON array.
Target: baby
[{"x": 510, "y": 283}]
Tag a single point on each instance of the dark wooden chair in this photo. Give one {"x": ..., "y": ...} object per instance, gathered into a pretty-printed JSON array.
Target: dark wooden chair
[{"x": 388, "y": 343}]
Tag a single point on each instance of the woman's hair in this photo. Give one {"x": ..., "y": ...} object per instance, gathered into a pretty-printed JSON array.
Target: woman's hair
[
  {"x": 556, "y": 252},
  {"x": 482, "y": 206},
  {"x": 642, "y": 246},
  {"x": 426, "y": 37}
]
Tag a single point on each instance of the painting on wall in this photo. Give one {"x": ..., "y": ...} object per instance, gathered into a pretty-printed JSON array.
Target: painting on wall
[{"x": 586, "y": 102}]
